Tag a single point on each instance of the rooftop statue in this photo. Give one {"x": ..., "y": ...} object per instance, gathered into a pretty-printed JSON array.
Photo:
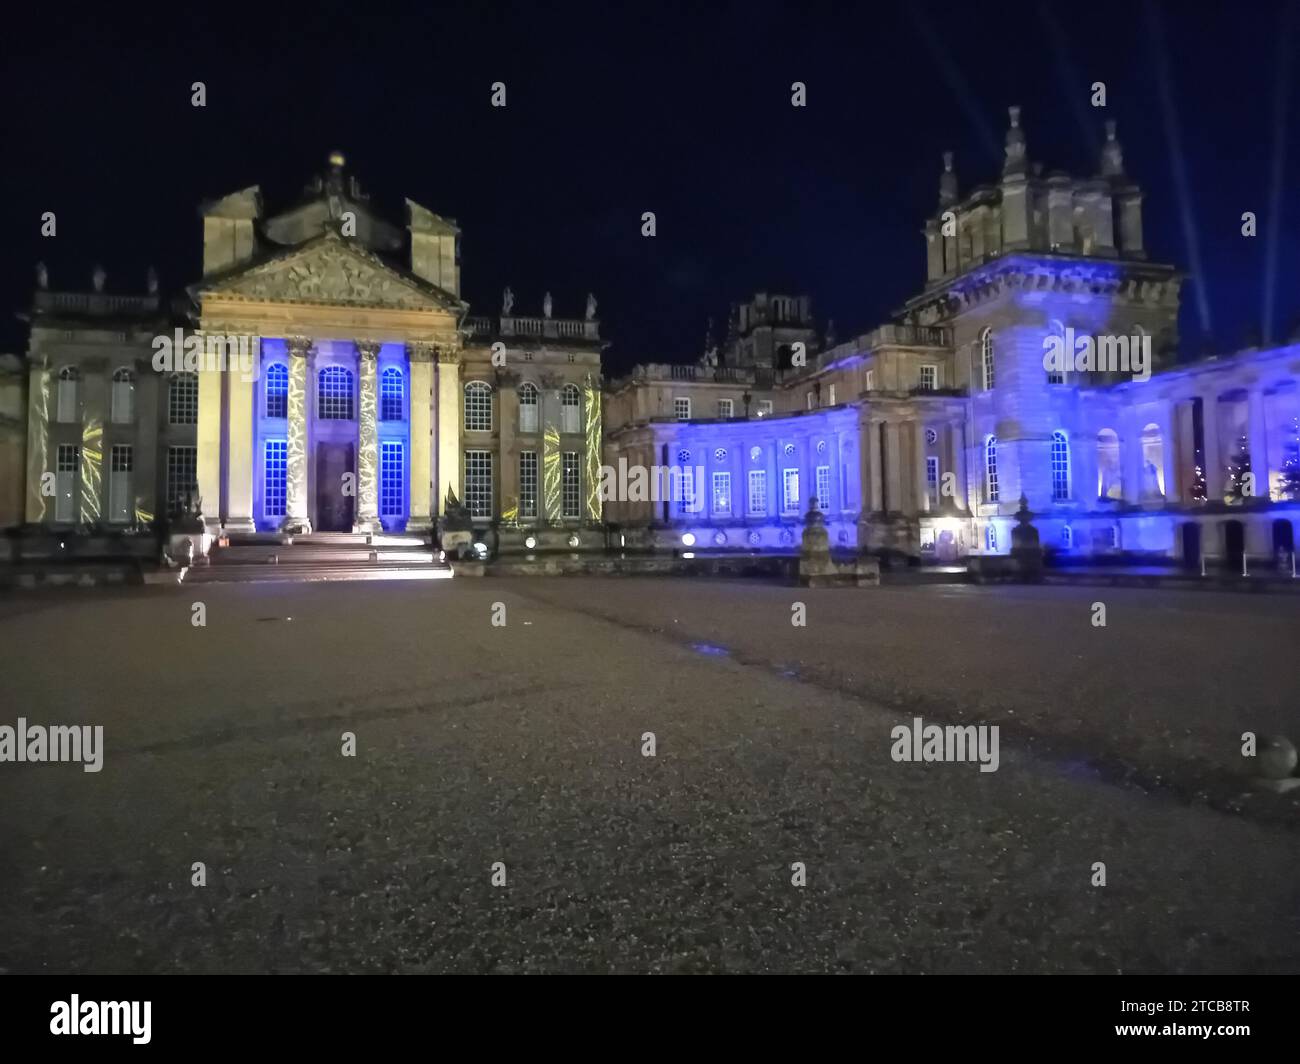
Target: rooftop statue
[{"x": 507, "y": 303}]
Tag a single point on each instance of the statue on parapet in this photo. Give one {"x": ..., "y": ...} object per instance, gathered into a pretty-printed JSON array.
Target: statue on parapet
[
  {"x": 591, "y": 306},
  {"x": 507, "y": 303}
]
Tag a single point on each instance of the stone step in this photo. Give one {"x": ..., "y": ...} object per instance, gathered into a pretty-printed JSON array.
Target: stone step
[
  {"x": 309, "y": 573},
  {"x": 226, "y": 557}
]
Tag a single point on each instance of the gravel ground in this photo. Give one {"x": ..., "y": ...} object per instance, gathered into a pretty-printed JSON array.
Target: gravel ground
[{"x": 522, "y": 745}]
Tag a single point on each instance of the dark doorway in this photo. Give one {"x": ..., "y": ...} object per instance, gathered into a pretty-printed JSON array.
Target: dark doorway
[
  {"x": 335, "y": 487},
  {"x": 1283, "y": 538},
  {"x": 1191, "y": 545},
  {"x": 1234, "y": 544}
]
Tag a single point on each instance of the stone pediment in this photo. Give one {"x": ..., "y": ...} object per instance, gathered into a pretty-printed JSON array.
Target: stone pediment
[{"x": 332, "y": 272}]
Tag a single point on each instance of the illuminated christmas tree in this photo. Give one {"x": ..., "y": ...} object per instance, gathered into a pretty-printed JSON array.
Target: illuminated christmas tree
[
  {"x": 1238, "y": 468},
  {"x": 1290, "y": 486}
]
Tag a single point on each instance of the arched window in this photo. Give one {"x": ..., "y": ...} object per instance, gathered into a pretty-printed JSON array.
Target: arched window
[
  {"x": 570, "y": 409},
  {"x": 991, "y": 470},
  {"x": 1060, "y": 467},
  {"x": 991, "y": 538},
  {"x": 1110, "y": 484},
  {"x": 986, "y": 357},
  {"x": 1067, "y": 537},
  {"x": 390, "y": 395},
  {"x": 183, "y": 399},
  {"x": 1153, "y": 462},
  {"x": 478, "y": 407},
  {"x": 123, "y": 402},
  {"x": 335, "y": 394},
  {"x": 67, "y": 404},
  {"x": 1056, "y": 329},
  {"x": 528, "y": 407},
  {"x": 277, "y": 391}
]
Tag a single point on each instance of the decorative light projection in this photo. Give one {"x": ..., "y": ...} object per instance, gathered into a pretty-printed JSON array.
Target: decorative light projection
[
  {"x": 551, "y": 473},
  {"x": 297, "y": 435},
  {"x": 368, "y": 442},
  {"x": 591, "y": 408},
  {"x": 92, "y": 462},
  {"x": 38, "y": 437}
]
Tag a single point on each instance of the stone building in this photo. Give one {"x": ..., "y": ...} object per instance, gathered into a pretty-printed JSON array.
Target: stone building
[
  {"x": 322, "y": 375},
  {"x": 920, "y": 436}
]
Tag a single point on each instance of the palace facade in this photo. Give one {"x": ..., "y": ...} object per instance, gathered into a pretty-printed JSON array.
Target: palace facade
[{"x": 324, "y": 374}]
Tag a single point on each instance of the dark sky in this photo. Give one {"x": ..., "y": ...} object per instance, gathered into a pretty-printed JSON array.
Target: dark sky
[{"x": 682, "y": 109}]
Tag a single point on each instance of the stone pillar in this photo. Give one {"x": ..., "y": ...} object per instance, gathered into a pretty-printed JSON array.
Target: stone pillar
[
  {"x": 40, "y": 456},
  {"x": 449, "y": 421},
  {"x": 893, "y": 467},
  {"x": 1210, "y": 448},
  {"x": 420, "y": 359},
  {"x": 922, "y": 485},
  {"x": 871, "y": 464},
  {"x": 506, "y": 394},
  {"x": 240, "y": 468},
  {"x": 957, "y": 437},
  {"x": 1257, "y": 434},
  {"x": 366, "y": 518},
  {"x": 208, "y": 440},
  {"x": 301, "y": 361}
]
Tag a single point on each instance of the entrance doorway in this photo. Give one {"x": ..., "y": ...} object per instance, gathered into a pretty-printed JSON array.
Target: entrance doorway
[
  {"x": 334, "y": 505},
  {"x": 1191, "y": 545},
  {"x": 1283, "y": 538},
  {"x": 1234, "y": 544}
]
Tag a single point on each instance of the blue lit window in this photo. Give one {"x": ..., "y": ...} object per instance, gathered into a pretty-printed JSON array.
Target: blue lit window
[
  {"x": 335, "y": 394},
  {"x": 986, "y": 357},
  {"x": 277, "y": 390},
  {"x": 991, "y": 470},
  {"x": 991, "y": 539},
  {"x": 390, "y": 395},
  {"x": 1060, "y": 467},
  {"x": 275, "y": 478},
  {"x": 823, "y": 488},
  {"x": 392, "y": 495},
  {"x": 1067, "y": 537}
]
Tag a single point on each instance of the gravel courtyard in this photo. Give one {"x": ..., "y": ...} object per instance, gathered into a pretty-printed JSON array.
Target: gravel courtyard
[{"x": 522, "y": 744}]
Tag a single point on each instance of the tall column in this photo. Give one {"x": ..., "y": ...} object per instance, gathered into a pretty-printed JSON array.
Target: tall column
[
  {"x": 893, "y": 467},
  {"x": 448, "y": 425},
  {"x": 1210, "y": 448},
  {"x": 420, "y": 357},
  {"x": 1257, "y": 434},
  {"x": 1169, "y": 450},
  {"x": 239, "y": 444},
  {"x": 208, "y": 441},
  {"x": 301, "y": 360},
  {"x": 875, "y": 478},
  {"x": 922, "y": 484},
  {"x": 957, "y": 436},
  {"x": 367, "y": 515}
]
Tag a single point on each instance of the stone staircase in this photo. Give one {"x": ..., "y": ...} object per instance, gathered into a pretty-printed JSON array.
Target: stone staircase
[{"x": 260, "y": 557}]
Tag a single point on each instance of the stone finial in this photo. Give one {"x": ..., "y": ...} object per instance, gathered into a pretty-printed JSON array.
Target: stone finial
[
  {"x": 42, "y": 276},
  {"x": 151, "y": 281},
  {"x": 98, "y": 277},
  {"x": 947, "y": 182},
  {"x": 1015, "y": 162},
  {"x": 1112, "y": 154}
]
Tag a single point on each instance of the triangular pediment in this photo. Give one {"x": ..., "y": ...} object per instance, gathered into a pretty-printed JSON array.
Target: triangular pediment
[{"x": 330, "y": 271}]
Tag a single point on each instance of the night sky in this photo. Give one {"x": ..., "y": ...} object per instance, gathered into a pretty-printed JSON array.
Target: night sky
[{"x": 682, "y": 109}]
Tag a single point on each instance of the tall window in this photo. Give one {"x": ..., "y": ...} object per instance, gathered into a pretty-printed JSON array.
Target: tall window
[
  {"x": 722, "y": 494},
  {"x": 183, "y": 399},
  {"x": 182, "y": 478},
  {"x": 986, "y": 357},
  {"x": 1067, "y": 537},
  {"x": 764, "y": 407},
  {"x": 810, "y": 400},
  {"x": 65, "y": 481},
  {"x": 682, "y": 409},
  {"x": 478, "y": 407},
  {"x": 757, "y": 492},
  {"x": 570, "y": 409},
  {"x": 478, "y": 483},
  {"x": 1110, "y": 482},
  {"x": 392, "y": 481},
  {"x": 683, "y": 488},
  {"x": 1060, "y": 467},
  {"x": 1153, "y": 462},
  {"x": 726, "y": 408},
  {"x": 67, "y": 404},
  {"x": 991, "y": 470},
  {"x": 528, "y": 407},
  {"x": 391, "y": 407},
  {"x": 275, "y": 473},
  {"x": 528, "y": 484},
  {"x": 830, "y": 400},
  {"x": 991, "y": 538},
  {"x": 1055, "y": 328},
  {"x": 120, "y": 466},
  {"x": 123, "y": 396},
  {"x": 932, "y": 479},
  {"x": 277, "y": 390},
  {"x": 823, "y": 488},
  {"x": 335, "y": 394},
  {"x": 870, "y": 382},
  {"x": 789, "y": 491},
  {"x": 570, "y": 497},
  {"x": 929, "y": 378}
]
